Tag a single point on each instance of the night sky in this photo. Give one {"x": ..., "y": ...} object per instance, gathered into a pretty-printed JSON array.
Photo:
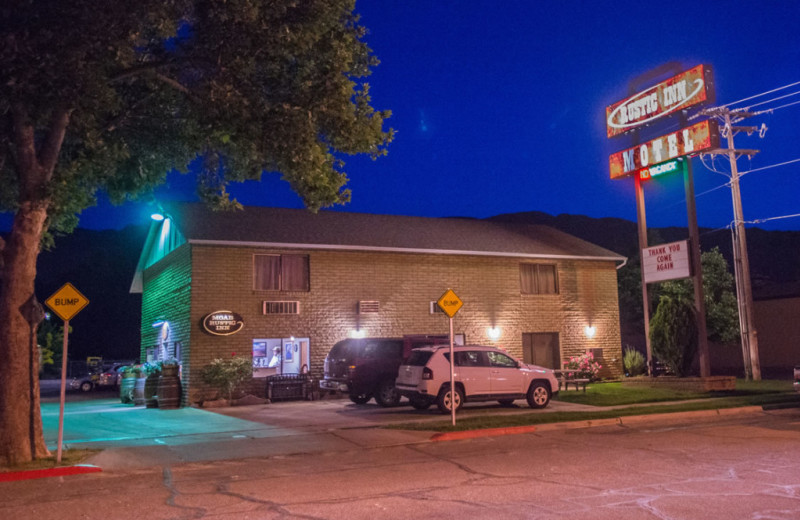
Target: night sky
[{"x": 499, "y": 107}]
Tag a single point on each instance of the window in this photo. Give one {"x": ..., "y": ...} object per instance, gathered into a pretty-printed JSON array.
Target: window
[
  {"x": 280, "y": 273},
  {"x": 496, "y": 359},
  {"x": 538, "y": 279}
]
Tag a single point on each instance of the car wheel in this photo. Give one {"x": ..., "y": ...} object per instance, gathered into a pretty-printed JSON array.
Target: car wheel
[
  {"x": 447, "y": 399},
  {"x": 421, "y": 403},
  {"x": 86, "y": 386},
  {"x": 506, "y": 402},
  {"x": 387, "y": 395},
  {"x": 360, "y": 398},
  {"x": 538, "y": 395}
]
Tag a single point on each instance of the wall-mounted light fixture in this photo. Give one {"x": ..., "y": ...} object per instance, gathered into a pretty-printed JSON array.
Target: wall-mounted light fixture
[
  {"x": 493, "y": 332},
  {"x": 158, "y": 217},
  {"x": 358, "y": 333},
  {"x": 590, "y": 331}
]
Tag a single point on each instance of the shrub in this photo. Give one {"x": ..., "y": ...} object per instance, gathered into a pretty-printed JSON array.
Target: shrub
[
  {"x": 634, "y": 362},
  {"x": 673, "y": 334},
  {"x": 584, "y": 366},
  {"x": 227, "y": 374}
]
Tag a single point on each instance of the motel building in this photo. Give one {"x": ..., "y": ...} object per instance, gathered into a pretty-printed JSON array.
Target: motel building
[{"x": 281, "y": 286}]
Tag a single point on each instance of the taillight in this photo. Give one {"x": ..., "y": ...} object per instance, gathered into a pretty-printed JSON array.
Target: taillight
[
  {"x": 351, "y": 369},
  {"x": 427, "y": 373}
]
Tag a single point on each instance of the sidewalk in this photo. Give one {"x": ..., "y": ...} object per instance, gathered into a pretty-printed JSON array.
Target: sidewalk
[{"x": 138, "y": 437}]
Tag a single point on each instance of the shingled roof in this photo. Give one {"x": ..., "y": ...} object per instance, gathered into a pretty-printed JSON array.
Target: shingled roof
[{"x": 281, "y": 227}]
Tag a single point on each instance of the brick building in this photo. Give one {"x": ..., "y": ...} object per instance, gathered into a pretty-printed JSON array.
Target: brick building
[{"x": 283, "y": 285}]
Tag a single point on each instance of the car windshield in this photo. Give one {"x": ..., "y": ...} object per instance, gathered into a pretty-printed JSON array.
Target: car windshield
[
  {"x": 419, "y": 358},
  {"x": 344, "y": 348}
]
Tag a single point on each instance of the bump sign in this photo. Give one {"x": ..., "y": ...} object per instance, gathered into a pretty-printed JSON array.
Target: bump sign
[
  {"x": 450, "y": 303},
  {"x": 67, "y": 302}
]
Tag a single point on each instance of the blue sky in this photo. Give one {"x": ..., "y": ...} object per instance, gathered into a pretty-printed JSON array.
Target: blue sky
[{"x": 499, "y": 107}]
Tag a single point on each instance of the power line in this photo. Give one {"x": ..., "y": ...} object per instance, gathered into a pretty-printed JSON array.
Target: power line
[
  {"x": 762, "y": 94},
  {"x": 771, "y": 100},
  {"x": 762, "y": 220},
  {"x": 768, "y": 167},
  {"x": 776, "y": 108}
]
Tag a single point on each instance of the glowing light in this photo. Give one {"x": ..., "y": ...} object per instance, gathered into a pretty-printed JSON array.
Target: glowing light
[
  {"x": 158, "y": 217},
  {"x": 493, "y": 332},
  {"x": 590, "y": 331},
  {"x": 357, "y": 333}
]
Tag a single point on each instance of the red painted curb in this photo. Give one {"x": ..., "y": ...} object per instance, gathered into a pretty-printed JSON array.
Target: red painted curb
[
  {"x": 488, "y": 432},
  {"x": 63, "y": 471}
]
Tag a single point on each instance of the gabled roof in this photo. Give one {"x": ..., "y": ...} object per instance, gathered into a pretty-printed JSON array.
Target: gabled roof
[{"x": 281, "y": 227}]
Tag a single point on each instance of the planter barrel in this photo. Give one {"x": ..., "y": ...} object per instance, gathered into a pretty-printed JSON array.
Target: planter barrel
[
  {"x": 169, "y": 388},
  {"x": 151, "y": 391},
  {"x": 126, "y": 390},
  {"x": 138, "y": 391}
]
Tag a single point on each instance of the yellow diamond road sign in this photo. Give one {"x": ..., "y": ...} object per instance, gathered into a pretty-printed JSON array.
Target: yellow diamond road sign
[
  {"x": 450, "y": 303},
  {"x": 67, "y": 302}
]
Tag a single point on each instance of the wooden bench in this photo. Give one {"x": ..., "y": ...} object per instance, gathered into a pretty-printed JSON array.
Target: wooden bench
[{"x": 564, "y": 380}]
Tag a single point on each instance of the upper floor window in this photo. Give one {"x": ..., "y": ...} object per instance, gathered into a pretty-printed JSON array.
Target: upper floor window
[
  {"x": 538, "y": 279},
  {"x": 280, "y": 273}
]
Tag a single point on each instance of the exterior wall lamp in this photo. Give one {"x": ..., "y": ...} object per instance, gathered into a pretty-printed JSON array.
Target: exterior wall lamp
[
  {"x": 357, "y": 333},
  {"x": 590, "y": 331},
  {"x": 493, "y": 332}
]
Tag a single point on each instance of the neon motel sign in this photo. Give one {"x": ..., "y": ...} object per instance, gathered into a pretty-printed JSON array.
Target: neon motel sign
[
  {"x": 684, "y": 90},
  {"x": 695, "y": 139}
]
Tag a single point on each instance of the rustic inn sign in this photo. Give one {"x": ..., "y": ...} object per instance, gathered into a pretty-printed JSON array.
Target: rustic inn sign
[
  {"x": 222, "y": 323},
  {"x": 684, "y": 90}
]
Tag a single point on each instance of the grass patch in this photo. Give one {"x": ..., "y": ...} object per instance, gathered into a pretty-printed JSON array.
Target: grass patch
[
  {"x": 751, "y": 393},
  {"x": 615, "y": 394},
  {"x": 68, "y": 458}
]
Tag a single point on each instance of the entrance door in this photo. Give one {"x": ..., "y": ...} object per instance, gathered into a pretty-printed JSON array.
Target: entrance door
[{"x": 541, "y": 348}]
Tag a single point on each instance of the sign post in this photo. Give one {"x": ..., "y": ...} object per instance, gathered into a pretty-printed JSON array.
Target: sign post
[
  {"x": 66, "y": 303},
  {"x": 450, "y": 304}
]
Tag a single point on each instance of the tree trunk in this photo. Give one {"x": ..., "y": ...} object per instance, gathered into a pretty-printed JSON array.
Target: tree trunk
[{"x": 21, "y": 434}]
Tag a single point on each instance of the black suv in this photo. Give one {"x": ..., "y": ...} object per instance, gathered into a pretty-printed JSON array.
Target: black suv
[{"x": 367, "y": 367}]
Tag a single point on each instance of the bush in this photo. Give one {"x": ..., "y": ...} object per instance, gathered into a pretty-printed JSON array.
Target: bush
[
  {"x": 584, "y": 366},
  {"x": 227, "y": 374},
  {"x": 634, "y": 362},
  {"x": 673, "y": 334}
]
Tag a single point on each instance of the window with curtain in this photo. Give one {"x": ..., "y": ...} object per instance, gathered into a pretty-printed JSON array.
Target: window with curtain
[
  {"x": 280, "y": 273},
  {"x": 538, "y": 279}
]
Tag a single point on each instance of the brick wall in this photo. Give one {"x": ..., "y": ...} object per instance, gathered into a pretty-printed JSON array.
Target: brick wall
[{"x": 404, "y": 284}]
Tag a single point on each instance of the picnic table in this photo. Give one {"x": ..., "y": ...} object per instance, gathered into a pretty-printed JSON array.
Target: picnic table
[{"x": 567, "y": 377}]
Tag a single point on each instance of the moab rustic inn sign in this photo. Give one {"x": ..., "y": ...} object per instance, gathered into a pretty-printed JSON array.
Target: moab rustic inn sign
[
  {"x": 684, "y": 90},
  {"x": 666, "y": 262},
  {"x": 700, "y": 137},
  {"x": 222, "y": 323}
]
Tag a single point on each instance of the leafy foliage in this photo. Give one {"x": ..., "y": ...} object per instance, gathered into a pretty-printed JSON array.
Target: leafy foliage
[
  {"x": 227, "y": 374},
  {"x": 634, "y": 362},
  {"x": 584, "y": 366},
  {"x": 673, "y": 334}
]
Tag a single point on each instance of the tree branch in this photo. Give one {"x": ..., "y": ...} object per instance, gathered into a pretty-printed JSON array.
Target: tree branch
[{"x": 51, "y": 148}]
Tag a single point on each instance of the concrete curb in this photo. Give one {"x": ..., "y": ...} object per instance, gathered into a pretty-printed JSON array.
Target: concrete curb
[
  {"x": 614, "y": 421},
  {"x": 62, "y": 471}
]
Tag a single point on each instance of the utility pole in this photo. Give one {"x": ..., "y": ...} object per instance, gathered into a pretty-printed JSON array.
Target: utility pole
[{"x": 744, "y": 289}]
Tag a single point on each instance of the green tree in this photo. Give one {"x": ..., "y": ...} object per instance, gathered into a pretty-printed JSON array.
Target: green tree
[
  {"x": 722, "y": 315},
  {"x": 673, "y": 333},
  {"x": 110, "y": 96},
  {"x": 50, "y": 338}
]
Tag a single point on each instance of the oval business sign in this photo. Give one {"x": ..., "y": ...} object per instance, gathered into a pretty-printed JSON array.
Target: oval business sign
[{"x": 222, "y": 323}]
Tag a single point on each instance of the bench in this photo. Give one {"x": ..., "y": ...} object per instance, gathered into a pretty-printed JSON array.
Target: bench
[{"x": 565, "y": 379}]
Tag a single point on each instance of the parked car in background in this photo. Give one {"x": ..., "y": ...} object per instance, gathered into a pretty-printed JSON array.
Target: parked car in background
[
  {"x": 107, "y": 375},
  {"x": 367, "y": 367},
  {"x": 481, "y": 374}
]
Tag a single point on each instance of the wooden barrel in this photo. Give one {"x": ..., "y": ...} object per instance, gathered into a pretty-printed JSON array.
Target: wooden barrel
[
  {"x": 126, "y": 390},
  {"x": 138, "y": 391},
  {"x": 151, "y": 390},
  {"x": 169, "y": 391}
]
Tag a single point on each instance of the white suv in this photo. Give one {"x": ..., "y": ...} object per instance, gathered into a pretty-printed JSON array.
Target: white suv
[{"x": 481, "y": 374}]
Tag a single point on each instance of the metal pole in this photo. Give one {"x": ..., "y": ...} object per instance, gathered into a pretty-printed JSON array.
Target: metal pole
[
  {"x": 452, "y": 378},
  {"x": 746, "y": 289},
  {"x": 697, "y": 274},
  {"x": 737, "y": 271},
  {"x": 641, "y": 220},
  {"x": 63, "y": 391}
]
